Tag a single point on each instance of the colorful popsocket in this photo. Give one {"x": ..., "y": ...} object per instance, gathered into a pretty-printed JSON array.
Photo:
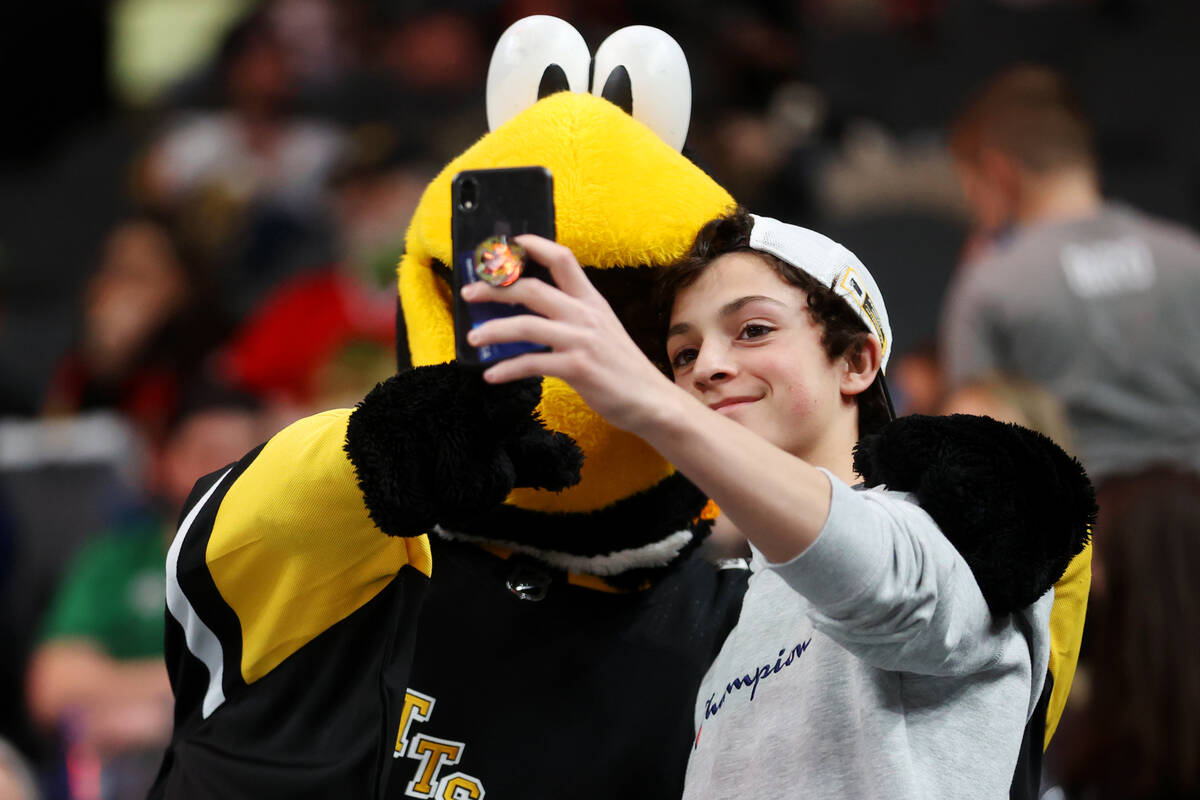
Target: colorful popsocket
[{"x": 499, "y": 261}]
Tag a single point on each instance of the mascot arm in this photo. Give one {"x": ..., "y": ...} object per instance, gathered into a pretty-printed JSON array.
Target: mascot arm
[
  {"x": 287, "y": 541},
  {"x": 309, "y": 528},
  {"x": 1014, "y": 504},
  {"x": 1066, "y": 633},
  {"x": 435, "y": 445}
]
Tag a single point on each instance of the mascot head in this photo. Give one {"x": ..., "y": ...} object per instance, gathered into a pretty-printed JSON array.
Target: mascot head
[{"x": 610, "y": 130}]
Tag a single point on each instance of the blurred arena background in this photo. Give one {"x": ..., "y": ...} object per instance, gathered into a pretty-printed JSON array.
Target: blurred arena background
[{"x": 202, "y": 203}]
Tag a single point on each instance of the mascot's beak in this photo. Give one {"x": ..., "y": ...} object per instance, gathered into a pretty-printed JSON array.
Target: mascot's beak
[{"x": 626, "y": 203}]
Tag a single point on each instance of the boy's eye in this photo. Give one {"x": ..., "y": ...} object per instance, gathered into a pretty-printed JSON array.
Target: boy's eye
[
  {"x": 755, "y": 330},
  {"x": 684, "y": 357}
]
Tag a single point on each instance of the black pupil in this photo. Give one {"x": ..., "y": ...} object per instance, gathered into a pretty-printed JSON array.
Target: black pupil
[{"x": 554, "y": 79}]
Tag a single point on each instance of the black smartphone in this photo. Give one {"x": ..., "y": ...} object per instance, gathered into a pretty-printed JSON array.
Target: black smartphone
[{"x": 489, "y": 207}]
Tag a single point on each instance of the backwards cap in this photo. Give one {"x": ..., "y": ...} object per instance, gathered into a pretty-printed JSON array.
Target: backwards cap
[
  {"x": 834, "y": 266},
  {"x": 831, "y": 265}
]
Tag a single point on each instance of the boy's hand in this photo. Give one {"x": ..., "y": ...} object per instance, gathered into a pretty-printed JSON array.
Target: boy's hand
[{"x": 589, "y": 348}]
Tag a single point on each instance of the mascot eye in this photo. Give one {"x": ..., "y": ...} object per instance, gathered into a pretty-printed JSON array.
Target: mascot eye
[
  {"x": 535, "y": 57},
  {"x": 644, "y": 71}
]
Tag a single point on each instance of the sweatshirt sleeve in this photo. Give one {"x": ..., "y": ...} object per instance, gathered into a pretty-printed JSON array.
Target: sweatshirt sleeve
[{"x": 889, "y": 587}]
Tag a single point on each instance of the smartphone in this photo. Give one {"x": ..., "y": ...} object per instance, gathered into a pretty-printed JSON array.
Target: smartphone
[{"x": 488, "y": 207}]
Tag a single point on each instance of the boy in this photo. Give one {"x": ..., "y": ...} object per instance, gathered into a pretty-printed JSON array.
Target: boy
[{"x": 866, "y": 662}]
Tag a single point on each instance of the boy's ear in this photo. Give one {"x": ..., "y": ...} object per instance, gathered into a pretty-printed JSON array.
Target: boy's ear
[{"x": 861, "y": 366}]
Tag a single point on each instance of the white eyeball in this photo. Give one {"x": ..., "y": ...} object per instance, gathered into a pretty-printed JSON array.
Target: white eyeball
[
  {"x": 643, "y": 70},
  {"x": 535, "y": 57}
]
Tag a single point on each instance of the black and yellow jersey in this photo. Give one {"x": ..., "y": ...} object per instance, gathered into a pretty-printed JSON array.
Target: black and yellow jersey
[{"x": 312, "y": 655}]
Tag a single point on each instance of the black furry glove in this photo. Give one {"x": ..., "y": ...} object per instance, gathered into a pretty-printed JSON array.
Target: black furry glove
[
  {"x": 1013, "y": 503},
  {"x": 436, "y": 444}
]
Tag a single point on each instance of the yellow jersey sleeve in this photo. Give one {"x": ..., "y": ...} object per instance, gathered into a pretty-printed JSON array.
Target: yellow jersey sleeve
[{"x": 292, "y": 549}]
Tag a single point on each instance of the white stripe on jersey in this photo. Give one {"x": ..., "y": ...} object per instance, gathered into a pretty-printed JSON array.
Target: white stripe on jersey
[{"x": 200, "y": 639}]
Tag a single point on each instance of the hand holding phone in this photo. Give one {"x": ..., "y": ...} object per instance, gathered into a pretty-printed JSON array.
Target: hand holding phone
[{"x": 489, "y": 207}]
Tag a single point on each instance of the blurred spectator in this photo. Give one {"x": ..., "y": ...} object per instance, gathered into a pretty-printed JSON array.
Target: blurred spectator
[
  {"x": 1011, "y": 398},
  {"x": 16, "y": 778},
  {"x": 1093, "y": 300},
  {"x": 313, "y": 34},
  {"x": 254, "y": 147},
  {"x": 916, "y": 382},
  {"x": 246, "y": 180},
  {"x": 148, "y": 321},
  {"x": 319, "y": 341},
  {"x": 372, "y": 194},
  {"x": 323, "y": 338},
  {"x": 1138, "y": 736},
  {"x": 97, "y": 677}
]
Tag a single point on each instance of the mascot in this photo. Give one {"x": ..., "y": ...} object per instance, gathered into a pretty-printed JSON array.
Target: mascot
[{"x": 455, "y": 589}]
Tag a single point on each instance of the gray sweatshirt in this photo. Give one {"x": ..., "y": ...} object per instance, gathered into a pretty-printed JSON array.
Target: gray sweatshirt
[{"x": 868, "y": 666}]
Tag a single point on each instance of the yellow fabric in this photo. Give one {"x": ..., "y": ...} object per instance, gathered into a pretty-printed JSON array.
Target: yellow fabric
[
  {"x": 290, "y": 569},
  {"x": 1066, "y": 633},
  {"x": 623, "y": 197}
]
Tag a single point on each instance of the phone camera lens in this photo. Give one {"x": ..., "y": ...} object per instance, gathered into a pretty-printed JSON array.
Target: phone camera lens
[{"x": 468, "y": 195}]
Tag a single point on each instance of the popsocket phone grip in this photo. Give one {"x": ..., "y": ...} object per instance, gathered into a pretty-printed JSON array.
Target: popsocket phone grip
[{"x": 499, "y": 261}]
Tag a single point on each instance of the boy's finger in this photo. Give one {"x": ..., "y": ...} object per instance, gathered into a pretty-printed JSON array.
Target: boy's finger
[
  {"x": 538, "y": 296},
  {"x": 565, "y": 270},
  {"x": 521, "y": 328},
  {"x": 524, "y": 366}
]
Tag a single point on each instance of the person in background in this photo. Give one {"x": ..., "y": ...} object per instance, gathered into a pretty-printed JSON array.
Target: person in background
[
  {"x": 916, "y": 380},
  {"x": 16, "y": 777},
  {"x": 255, "y": 147},
  {"x": 1093, "y": 300},
  {"x": 1137, "y": 736},
  {"x": 246, "y": 178},
  {"x": 148, "y": 322},
  {"x": 1011, "y": 398},
  {"x": 97, "y": 678},
  {"x": 324, "y": 337}
]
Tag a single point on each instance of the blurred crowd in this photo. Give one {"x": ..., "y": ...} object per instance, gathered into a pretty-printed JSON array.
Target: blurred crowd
[{"x": 201, "y": 215}]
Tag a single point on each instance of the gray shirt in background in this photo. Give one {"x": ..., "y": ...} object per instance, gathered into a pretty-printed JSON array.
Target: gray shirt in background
[
  {"x": 1105, "y": 313},
  {"x": 868, "y": 667}
]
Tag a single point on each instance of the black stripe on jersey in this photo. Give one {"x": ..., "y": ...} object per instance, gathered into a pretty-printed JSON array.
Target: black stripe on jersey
[{"x": 197, "y": 583}]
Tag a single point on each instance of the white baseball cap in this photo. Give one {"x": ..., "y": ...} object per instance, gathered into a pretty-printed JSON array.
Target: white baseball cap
[{"x": 834, "y": 266}]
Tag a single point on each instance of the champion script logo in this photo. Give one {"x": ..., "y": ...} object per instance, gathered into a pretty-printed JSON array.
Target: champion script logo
[{"x": 752, "y": 681}]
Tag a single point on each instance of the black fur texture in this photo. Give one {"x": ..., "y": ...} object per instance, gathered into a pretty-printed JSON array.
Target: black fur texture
[
  {"x": 632, "y": 522},
  {"x": 436, "y": 444},
  {"x": 1013, "y": 503}
]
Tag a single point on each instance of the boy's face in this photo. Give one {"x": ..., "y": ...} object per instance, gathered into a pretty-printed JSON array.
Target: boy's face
[{"x": 743, "y": 342}]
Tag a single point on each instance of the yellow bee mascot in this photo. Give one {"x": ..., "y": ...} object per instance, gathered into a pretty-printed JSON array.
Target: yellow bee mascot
[{"x": 459, "y": 590}]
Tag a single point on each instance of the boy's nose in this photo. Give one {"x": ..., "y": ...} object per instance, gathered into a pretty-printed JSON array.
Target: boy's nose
[{"x": 713, "y": 366}]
